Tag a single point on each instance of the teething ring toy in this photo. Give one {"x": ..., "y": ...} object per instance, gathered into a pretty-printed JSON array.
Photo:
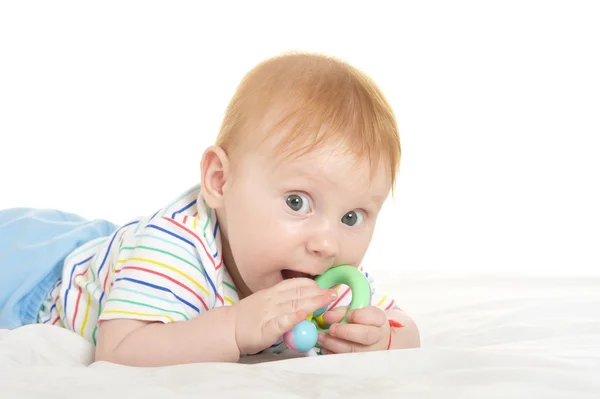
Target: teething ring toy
[{"x": 303, "y": 337}]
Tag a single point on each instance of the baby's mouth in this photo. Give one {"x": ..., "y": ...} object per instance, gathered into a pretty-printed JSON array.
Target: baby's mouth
[{"x": 287, "y": 274}]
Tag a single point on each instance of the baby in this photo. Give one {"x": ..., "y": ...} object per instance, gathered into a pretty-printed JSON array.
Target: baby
[{"x": 306, "y": 155}]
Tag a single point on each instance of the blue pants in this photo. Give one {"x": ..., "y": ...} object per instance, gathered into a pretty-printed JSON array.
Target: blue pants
[{"x": 33, "y": 246}]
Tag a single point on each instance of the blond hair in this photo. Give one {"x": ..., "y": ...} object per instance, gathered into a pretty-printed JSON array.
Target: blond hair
[{"x": 317, "y": 100}]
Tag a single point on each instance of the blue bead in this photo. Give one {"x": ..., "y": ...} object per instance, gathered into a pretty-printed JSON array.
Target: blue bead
[{"x": 305, "y": 336}]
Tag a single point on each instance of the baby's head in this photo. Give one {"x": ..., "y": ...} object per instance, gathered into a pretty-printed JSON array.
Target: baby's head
[{"x": 307, "y": 153}]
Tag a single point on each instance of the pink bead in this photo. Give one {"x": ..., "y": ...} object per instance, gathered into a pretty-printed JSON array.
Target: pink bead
[{"x": 288, "y": 338}]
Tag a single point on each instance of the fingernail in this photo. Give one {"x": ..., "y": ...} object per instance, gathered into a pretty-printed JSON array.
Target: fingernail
[
  {"x": 333, "y": 293},
  {"x": 332, "y": 329}
]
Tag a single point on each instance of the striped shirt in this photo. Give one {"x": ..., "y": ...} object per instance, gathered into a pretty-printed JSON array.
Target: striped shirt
[{"x": 166, "y": 267}]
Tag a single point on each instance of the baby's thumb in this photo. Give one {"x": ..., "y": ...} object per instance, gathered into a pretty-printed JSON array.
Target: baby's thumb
[{"x": 335, "y": 315}]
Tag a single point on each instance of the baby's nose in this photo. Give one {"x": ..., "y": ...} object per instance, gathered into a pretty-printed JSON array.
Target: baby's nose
[{"x": 323, "y": 246}]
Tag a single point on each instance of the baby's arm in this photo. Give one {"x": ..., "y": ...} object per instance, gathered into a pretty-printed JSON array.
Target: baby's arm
[
  {"x": 209, "y": 337},
  {"x": 161, "y": 303},
  {"x": 218, "y": 335}
]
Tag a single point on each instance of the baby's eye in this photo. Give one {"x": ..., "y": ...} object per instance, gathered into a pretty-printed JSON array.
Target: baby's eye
[
  {"x": 298, "y": 203},
  {"x": 353, "y": 218}
]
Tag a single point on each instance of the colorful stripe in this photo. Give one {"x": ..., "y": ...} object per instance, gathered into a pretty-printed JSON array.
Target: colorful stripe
[
  {"x": 164, "y": 265},
  {"x": 106, "y": 253},
  {"x": 74, "y": 268},
  {"x": 173, "y": 243},
  {"x": 78, "y": 301},
  {"x": 87, "y": 314},
  {"x": 130, "y": 313},
  {"x": 192, "y": 192},
  {"x": 146, "y": 305},
  {"x": 216, "y": 266},
  {"x": 154, "y": 297},
  {"x": 229, "y": 300},
  {"x": 157, "y": 287}
]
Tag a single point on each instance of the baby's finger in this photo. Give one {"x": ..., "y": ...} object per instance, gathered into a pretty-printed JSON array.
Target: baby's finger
[
  {"x": 303, "y": 292},
  {"x": 338, "y": 345},
  {"x": 335, "y": 315},
  {"x": 294, "y": 282},
  {"x": 280, "y": 324},
  {"x": 370, "y": 315},
  {"x": 307, "y": 304},
  {"x": 358, "y": 333},
  {"x": 325, "y": 351}
]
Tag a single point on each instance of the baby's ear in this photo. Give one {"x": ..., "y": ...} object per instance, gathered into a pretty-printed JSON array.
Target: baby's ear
[{"x": 214, "y": 172}]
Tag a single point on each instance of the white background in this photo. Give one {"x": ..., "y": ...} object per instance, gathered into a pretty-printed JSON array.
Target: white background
[{"x": 106, "y": 107}]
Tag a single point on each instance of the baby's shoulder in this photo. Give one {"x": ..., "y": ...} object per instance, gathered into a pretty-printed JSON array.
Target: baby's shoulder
[
  {"x": 184, "y": 224},
  {"x": 182, "y": 212}
]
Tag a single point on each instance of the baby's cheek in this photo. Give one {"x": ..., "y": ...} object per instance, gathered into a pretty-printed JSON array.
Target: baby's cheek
[
  {"x": 280, "y": 249},
  {"x": 260, "y": 245},
  {"x": 354, "y": 250}
]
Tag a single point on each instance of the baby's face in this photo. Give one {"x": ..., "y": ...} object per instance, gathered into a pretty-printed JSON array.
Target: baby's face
[{"x": 299, "y": 217}]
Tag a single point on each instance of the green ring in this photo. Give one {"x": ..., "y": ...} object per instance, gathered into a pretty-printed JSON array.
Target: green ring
[{"x": 353, "y": 278}]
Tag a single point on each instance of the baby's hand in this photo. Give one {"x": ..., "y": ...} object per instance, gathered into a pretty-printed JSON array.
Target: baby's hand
[
  {"x": 263, "y": 317},
  {"x": 368, "y": 329}
]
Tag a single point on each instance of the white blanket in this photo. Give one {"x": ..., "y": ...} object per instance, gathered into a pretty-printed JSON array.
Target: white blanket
[{"x": 482, "y": 337}]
